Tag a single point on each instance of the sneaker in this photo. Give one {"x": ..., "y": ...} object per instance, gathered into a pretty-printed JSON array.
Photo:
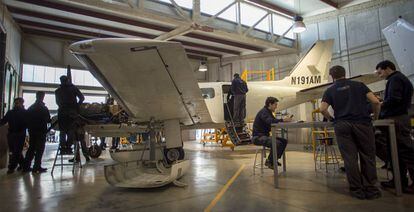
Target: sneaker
[
  {"x": 20, "y": 168},
  {"x": 10, "y": 171},
  {"x": 359, "y": 194},
  {"x": 39, "y": 170},
  {"x": 27, "y": 170},
  {"x": 269, "y": 164},
  {"x": 73, "y": 160},
  {"x": 371, "y": 196}
]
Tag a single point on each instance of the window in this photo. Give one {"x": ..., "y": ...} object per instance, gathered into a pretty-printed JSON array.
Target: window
[
  {"x": 208, "y": 93},
  {"x": 250, "y": 15},
  {"x": 281, "y": 24},
  {"x": 51, "y": 75},
  {"x": 182, "y": 3}
]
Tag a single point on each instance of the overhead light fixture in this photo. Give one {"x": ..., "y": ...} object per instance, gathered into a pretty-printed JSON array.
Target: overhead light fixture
[
  {"x": 298, "y": 26},
  {"x": 202, "y": 67}
]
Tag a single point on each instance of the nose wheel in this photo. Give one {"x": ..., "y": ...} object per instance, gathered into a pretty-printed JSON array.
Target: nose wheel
[{"x": 174, "y": 154}]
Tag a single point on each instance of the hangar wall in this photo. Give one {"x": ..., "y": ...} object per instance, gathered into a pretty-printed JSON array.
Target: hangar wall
[
  {"x": 12, "y": 57},
  {"x": 13, "y": 40}
]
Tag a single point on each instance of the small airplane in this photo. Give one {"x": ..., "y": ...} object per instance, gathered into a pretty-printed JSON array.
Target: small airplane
[{"x": 153, "y": 82}]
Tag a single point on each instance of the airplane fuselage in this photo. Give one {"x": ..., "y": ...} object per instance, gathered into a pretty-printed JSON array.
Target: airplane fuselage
[{"x": 215, "y": 96}]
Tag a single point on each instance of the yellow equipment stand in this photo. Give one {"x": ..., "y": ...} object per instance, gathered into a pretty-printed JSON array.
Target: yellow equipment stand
[
  {"x": 218, "y": 136},
  {"x": 321, "y": 133}
]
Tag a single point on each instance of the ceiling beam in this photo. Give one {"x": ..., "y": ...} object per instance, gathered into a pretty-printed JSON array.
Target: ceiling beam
[
  {"x": 197, "y": 57},
  {"x": 14, "y": 10},
  {"x": 175, "y": 33},
  {"x": 197, "y": 45},
  {"x": 52, "y": 34},
  {"x": 274, "y": 7},
  {"x": 67, "y": 6},
  {"x": 80, "y": 35},
  {"x": 112, "y": 29},
  {"x": 202, "y": 53},
  {"x": 331, "y": 3},
  {"x": 63, "y": 29}
]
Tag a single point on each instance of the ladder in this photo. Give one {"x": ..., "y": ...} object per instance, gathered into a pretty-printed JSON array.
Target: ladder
[
  {"x": 238, "y": 134},
  {"x": 76, "y": 159}
]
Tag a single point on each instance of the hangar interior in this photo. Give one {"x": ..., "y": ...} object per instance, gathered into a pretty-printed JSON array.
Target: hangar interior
[{"x": 225, "y": 37}]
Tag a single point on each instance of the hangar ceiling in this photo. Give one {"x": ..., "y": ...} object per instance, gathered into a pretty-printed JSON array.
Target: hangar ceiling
[{"x": 202, "y": 35}]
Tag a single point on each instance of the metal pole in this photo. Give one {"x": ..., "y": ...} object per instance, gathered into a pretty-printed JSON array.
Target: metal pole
[
  {"x": 394, "y": 159},
  {"x": 274, "y": 152}
]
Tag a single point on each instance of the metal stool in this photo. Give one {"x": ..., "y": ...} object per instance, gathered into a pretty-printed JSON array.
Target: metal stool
[
  {"x": 326, "y": 153},
  {"x": 262, "y": 152}
]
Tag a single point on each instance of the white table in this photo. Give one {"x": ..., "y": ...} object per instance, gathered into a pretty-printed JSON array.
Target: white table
[{"x": 385, "y": 122}]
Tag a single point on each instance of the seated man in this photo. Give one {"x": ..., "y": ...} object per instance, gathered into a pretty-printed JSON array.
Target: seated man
[{"x": 262, "y": 126}]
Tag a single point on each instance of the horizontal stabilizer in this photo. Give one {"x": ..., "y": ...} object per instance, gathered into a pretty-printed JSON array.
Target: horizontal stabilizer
[{"x": 318, "y": 90}]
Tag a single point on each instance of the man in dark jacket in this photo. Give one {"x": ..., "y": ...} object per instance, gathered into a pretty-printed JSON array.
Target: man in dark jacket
[
  {"x": 68, "y": 99},
  {"x": 397, "y": 102},
  {"x": 16, "y": 118},
  {"x": 239, "y": 90},
  {"x": 262, "y": 126},
  {"x": 37, "y": 119},
  {"x": 354, "y": 131}
]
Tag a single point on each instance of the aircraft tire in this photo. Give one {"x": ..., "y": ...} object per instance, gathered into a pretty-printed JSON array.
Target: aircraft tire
[
  {"x": 95, "y": 151},
  {"x": 174, "y": 154}
]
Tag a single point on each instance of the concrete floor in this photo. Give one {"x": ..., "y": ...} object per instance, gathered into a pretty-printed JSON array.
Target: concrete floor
[{"x": 302, "y": 189}]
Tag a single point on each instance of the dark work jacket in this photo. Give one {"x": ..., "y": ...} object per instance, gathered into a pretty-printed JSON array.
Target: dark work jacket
[
  {"x": 238, "y": 86},
  {"x": 17, "y": 120},
  {"x": 349, "y": 101},
  {"x": 398, "y": 94},
  {"x": 37, "y": 117},
  {"x": 263, "y": 121},
  {"x": 66, "y": 97}
]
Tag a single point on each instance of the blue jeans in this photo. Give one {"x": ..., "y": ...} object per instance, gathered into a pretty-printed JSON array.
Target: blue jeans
[{"x": 266, "y": 141}]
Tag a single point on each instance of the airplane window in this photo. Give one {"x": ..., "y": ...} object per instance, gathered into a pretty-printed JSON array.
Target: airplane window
[{"x": 208, "y": 93}]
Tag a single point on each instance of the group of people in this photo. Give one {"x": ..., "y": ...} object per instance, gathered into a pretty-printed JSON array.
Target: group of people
[
  {"x": 36, "y": 119},
  {"x": 353, "y": 127},
  {"x": 354, "y": 130}
]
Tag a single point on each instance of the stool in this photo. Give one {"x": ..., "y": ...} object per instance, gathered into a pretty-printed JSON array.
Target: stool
[
  {"x": 326, "y": 152},
  {"x": 262, "y": 152}
]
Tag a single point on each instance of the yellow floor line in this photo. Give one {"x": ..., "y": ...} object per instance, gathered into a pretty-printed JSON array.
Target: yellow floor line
[{"x": 224, "y": 189}]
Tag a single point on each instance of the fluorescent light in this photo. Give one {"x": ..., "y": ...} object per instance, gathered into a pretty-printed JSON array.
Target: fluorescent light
[{"x": 298, "y": 26}]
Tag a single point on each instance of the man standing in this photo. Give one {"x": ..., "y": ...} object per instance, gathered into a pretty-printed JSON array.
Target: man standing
[
  {"x": 16, "y": 118},
  {"x": 239, "y": 90},
  {"x": 397, "y": 102},
  {"x": 354, "y": 131},
  {"x": 68, "y": 99},
  {"x": 38, "y": 117},
  {"x": 262, "y": 126}
]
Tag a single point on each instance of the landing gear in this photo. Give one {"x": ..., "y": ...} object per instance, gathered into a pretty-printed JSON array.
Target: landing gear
[
  {"x": 95, "y": 151},
  {"x": 174, "y": 154}
]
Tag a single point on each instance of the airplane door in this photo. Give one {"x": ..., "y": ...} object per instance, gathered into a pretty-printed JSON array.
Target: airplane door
[{"x": 227, "y": 102}]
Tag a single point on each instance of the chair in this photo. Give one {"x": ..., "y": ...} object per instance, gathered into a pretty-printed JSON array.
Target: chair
[{"x": 262, "y": 151}]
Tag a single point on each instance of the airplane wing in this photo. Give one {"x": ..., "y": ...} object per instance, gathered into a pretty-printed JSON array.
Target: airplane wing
[
  {"x": 317, "y": 91},
  {"x": 149, "y": 79}
]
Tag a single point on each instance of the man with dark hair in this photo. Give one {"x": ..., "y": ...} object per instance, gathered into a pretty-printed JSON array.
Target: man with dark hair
[
  {"x": 262, "y": 126},
  {"x": 397, "y": 102},
  {"x": 239, "y": 90},
  {"x": 38, "y": 117},
  {"x": 16, "y": 118},
  {"x": 354, "y": 131},
  {"x": 68, "y": 99}
]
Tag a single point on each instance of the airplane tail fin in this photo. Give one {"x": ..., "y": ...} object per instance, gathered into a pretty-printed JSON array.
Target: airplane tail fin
[{"x": 312, "y": 69}]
